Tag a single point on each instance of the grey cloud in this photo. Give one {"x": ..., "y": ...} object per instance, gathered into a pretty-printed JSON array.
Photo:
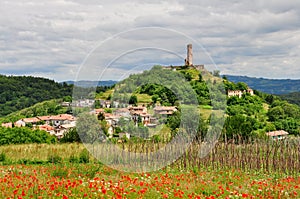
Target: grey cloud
[{"x": 236, "y": 34}]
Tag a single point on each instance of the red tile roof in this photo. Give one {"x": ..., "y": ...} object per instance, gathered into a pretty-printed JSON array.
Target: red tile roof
[
  {"x": 31, "y": 120},
  {"x": 277, "y": 133},
  {"x": 46, "y": 127}
]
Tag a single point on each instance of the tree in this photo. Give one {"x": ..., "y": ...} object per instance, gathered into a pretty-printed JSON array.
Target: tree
[
  {"x": 133, "y": 100},
  {"x": 216, "y": 73},
  {"x": 88, "y": 128},
  {"x": 70, "y": 136},
  {"x": 154, "y": 98},
  {"x": 242, "y": 86},
  {"x": 275, "y": 113},
  {"x": 101, "y": 116}
]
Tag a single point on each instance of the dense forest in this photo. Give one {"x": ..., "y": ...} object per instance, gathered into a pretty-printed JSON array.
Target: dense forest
[{"x": 18, "y": 92}]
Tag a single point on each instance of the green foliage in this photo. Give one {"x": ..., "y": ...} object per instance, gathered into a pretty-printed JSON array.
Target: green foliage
[
  {"x": 73, "y": 159},
  {"x": 67, "y": 98},
  {"x": 101, "y": 116},
  {"x": 70, "y": 137},
  {"x": 108, "y": 110},
  {"x": 239, "y": 127},
  {"x": 216, "y": 73},
  {"x": 24, "y": 136},
  {"x": 54, "y": 159},
  {"x": 60, "y": 172},
  {"x": 174, "y": 120},
  {"x": 167, "y": 85},
  {"x": 88, "y": 128},
  {"x": 84, "y": 156},
  {"x": 18, "y": 92},
  {"x": 136, "y": 131},
  {"x": 51, "y": 107},
  {"x": 201, "y": 89},
  {"x": 285, "y": 116},
  {"x": 133, "y": 100},
  {"x": 293, "y": 97},
  {"x": 2, "y": 157}
]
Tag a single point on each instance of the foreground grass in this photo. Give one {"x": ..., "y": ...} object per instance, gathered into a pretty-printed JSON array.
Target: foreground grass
[
  {"x": 215, "y": 176},
  {"x": 40, "y": 151},
  {"x": 97, "y": 181}
]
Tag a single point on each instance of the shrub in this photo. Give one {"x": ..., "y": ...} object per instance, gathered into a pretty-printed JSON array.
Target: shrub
[
  {"x": 84, "y": 156},
  {"x": 2, "y": 157},
  {"x": 73, "y": 159},
  {"x": 54, "y": 159}
]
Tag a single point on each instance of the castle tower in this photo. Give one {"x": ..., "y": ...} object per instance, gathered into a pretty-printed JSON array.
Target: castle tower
[{"x": 189, "y": 58}]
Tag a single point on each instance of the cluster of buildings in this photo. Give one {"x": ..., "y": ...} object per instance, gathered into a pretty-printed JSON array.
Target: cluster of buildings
[
  {"x": 54, "y": 124},
  {"x": 58, "y": 125},
  {"x": 137, "y": 114}
]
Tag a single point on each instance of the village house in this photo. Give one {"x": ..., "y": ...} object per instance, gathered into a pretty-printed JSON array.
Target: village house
[
  {"x": 137, "y": 112},
  {"x": 164, "y": 110},
  {"x": 46, "y": 119},
  {"x": 123, "y": 112},
  {"x": 137, "y": 109},
  {"x": 7, "y": 125},
  {"x": 278, "y": 135},
  {"x": 239, "y": 93},
  {"x": 83, "y": 103},
  {"x": 24, "y": 121},
  {"x": 145, "y": 118},
  {"x": 55, "y": 120},
  {"x": 47, "y": 128}
]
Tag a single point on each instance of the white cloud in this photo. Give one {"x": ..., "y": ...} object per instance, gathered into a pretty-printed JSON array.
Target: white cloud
[{"x": 52, "y": 38}]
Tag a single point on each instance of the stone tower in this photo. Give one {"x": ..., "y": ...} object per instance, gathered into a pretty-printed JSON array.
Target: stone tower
[{"x": 189, "y": 58}]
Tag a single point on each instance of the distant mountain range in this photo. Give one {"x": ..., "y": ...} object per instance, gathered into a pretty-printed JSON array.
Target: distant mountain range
[
  {"x": 87, "y": 83},
  {"x": 271, "y": 86}
]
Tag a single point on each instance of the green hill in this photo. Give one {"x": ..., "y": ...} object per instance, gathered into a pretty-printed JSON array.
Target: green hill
[
  {"x": 49, "y": 107},
  {"x": 247, "y": 116},
  {"x": 19, "y": 92},
  {"x": 293, "y": 97},
  {"x": 271, "y": 86}
]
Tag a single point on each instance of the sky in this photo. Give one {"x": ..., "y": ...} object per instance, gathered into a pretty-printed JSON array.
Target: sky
[{"x": 108, "y": 40}]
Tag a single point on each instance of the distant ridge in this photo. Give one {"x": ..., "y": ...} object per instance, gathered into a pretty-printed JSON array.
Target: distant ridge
[
  {"x": 87, "y": 83},
  {"x": 271, "y": 86}
]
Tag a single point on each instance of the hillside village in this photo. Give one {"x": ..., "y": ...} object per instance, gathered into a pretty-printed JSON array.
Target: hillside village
[
  {"x": 58, "y": 125},
  {"x": 112, "y": 111}
]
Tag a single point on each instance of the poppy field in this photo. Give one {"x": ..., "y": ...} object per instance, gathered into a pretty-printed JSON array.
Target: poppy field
[
  {"x": 94, "y": 181},
  {"x": 225, "y": 173}
]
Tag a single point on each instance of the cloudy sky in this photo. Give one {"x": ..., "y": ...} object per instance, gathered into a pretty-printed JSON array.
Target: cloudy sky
[{"x": 93, "y": 39}]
